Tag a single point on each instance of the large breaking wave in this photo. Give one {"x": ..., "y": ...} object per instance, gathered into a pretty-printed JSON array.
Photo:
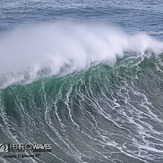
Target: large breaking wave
[{"x": 93, "y": 92}]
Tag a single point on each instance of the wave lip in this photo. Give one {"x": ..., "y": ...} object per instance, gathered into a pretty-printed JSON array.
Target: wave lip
[{"x": 65, "y": 47}]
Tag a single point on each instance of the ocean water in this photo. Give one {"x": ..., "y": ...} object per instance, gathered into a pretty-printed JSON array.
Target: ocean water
[{"x": 83, "y": 76}]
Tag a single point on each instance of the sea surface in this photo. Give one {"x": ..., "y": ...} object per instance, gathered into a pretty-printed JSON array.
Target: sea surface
[{"x": 85, "y": 77}]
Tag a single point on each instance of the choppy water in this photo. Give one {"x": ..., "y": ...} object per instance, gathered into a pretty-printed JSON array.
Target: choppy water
[{"x": 85, "y": 77}]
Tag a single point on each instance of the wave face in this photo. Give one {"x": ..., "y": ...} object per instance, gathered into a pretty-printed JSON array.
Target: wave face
[{"x": 94, "y": 92}]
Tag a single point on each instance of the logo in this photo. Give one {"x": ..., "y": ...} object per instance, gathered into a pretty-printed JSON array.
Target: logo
[
  {"x": 25, "y": 147},
  {"x": 4, "y": 148}
]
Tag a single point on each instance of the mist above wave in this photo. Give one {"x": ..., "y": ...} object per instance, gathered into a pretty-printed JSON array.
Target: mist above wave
[{"x": 67, "y": 47}]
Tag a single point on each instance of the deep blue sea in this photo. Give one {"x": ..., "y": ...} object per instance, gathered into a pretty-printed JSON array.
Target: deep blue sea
[{"x": 83, "y": 77}]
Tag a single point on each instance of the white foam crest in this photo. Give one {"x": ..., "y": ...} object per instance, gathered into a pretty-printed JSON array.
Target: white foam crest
[{"x": 64, "y": 47}]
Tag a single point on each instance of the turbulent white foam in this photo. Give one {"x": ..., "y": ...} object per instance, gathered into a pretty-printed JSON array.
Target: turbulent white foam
[{"x": 66, "y": 47}]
